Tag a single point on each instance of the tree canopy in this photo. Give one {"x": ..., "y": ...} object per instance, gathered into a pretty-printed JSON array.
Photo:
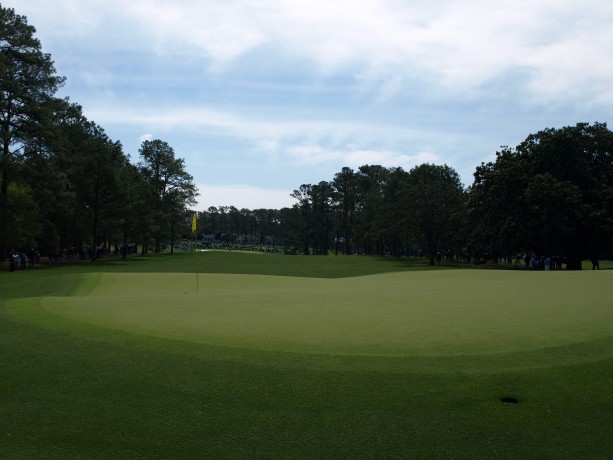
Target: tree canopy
[
  {"x": 551, "y": 194},
  {"x": 171, "y": 188}
]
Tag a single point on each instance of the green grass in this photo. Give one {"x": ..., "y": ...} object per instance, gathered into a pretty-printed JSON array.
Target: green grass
[
  {"x": 262, "y": 264},
  {"x": 303, "y": 357}
]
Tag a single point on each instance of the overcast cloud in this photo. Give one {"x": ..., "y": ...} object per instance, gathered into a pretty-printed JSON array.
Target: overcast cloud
[{"x": 262, "y": 96}]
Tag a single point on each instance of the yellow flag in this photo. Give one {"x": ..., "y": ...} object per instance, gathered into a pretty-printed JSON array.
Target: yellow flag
[{"x": 194, "y": 224}]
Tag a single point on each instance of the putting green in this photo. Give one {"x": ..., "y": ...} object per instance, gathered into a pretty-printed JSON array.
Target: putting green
[{"x": 454, "y": 312}]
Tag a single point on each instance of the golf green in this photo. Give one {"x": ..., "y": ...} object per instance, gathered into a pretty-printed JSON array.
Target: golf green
[{"x": 443, "y": 313}]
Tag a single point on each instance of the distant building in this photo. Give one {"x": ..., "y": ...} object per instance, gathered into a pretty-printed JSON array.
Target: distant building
[{"x": 247, "y": 239}]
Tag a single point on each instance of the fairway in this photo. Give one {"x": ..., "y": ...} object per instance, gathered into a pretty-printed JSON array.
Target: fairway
[{"x": 448, "y": 313}]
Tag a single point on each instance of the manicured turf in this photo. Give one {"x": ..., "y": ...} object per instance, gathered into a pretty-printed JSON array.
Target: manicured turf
[
  {"x": 349, "y": 357},
  {"x": 429, "y": 313}
]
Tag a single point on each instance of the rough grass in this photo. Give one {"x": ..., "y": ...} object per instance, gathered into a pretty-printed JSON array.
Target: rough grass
[{"x": 77, "y": 386}]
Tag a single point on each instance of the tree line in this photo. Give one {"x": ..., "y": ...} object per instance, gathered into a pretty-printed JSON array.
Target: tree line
[
  {"x": 551, "y": 196},
  {"x": 64, "y": 183},
  {"x": 358, "y": 212}
]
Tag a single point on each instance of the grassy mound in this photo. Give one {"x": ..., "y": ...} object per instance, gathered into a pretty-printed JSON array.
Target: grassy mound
[{"x": 349, "y": 357}]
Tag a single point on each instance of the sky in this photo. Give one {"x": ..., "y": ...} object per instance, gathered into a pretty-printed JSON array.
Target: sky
[{"x": 262, "y": 96}]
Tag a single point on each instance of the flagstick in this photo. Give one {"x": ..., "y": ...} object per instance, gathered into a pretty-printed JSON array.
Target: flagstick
[
  {"x": 196, "y": 242},
  {"x": 197, "y": 261}
]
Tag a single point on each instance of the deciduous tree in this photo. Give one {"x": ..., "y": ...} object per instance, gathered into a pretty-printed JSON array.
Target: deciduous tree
[{"x": 552, "y": 194}]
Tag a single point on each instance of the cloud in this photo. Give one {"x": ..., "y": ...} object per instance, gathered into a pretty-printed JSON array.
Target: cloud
[
  {"x": 311, "y": 154},
  {"x": 299, "y": 88},
  {"x": 573, "y": 68},
  {"x": 561, "y": 50},
  {"x": 223, "y": 31},
  {"x": 145, "y": 137},
  {"x": 301, "y": 139},
  {"x": 457, "y": 45},
  {"x": 358, "y": 158},
  {"x": 323, "y": 144},
  {"x": 243, "y": 197}
]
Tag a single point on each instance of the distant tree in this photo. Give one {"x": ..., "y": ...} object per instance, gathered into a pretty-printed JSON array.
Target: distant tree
[
  {"x": 304, "y": 205},
  {"x": 344, "y": 186},
  {"x": 136, "y": 220},
  {"x": 394, "y": 211},
  {"x": 434, "y": 201},
  {"x": 73, "y": 171},
  {"x": 370, "y": 224},
  {"x": 290, "y": 223},
  {"x": 552, "y": 194},
  {"x": 262, "y": 224},
  {"x": 171, "y": 187},
  {"x": 25, "y": 215},
  {"x": 46, "y": 169},
  {"x": 96, "y": 163},
  {"x": 28, "y": 81},
  {"x": 497, "y": 220},
  {"x": 211, "y": 221},
  {"x": 259, "y": 223},
  {"x": 321, "y": 200},
  {"x": 235, "y": 222},
  {"x": 176, "y": 203}
]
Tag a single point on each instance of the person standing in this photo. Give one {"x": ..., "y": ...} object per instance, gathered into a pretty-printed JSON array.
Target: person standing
[{"x": 533, "y": 263}]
